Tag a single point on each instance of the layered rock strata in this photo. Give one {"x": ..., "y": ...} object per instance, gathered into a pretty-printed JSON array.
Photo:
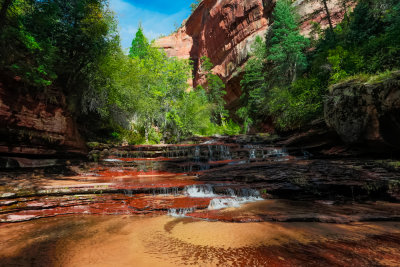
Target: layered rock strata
[
  {"x": 225, "y": 30},
  {"x": 32, "y": 127}
]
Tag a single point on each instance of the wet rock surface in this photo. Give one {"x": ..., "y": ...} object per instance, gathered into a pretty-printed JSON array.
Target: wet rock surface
[
  {"x": 203, "y": 179},
  {"x": 240, "y": 200},
  {"x": 339, "y": 180}
]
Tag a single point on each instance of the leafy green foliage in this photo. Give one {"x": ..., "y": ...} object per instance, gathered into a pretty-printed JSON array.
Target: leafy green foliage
[
  {"x": 365, "y": 43},
  {"x": 272, "y": 67},
  {"x": 296, "y": 105},
  {"x": 285, "y": 47},
  {"x": 215, "y": 91},
  {"x": 147, "y": 98},
  {"x": 253, "y": 86},
  {"x": 55, "y": 42},
  {"x": 73, "y": 46}
]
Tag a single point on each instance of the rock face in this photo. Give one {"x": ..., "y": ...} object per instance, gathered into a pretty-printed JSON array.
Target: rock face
[
  {"x": 31, "y": 127},
  {"x": 363, "y": 112},
  {"x": 224, "y": 31}
]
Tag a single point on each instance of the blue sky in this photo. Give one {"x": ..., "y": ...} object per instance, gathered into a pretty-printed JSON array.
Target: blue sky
[{"x": 158, "y": 17}]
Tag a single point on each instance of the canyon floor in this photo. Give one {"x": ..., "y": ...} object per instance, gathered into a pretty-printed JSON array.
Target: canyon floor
[
  {"x": 165, "y": 241},
  {"x": 205, "y": 204}
]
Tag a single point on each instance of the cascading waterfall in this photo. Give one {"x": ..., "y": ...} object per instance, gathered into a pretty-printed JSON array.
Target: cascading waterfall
[
  {"x": 232, "y": 202},
  {"x": 197, "y": 154},
  {"x": 225, "y": 153},
  {"x": 249, "y": 193},
  {"x": 180, "y": 212},
  {"x": 277, "y": 153},
  {"x": 210, "y": 154},
  {"x": 199, "y": 191},
  {"x": 166, "y": 191},
  {"x": 221, "y": 203},
  {"x": 230, "y": 199},
  {"x": 235, "y": 200},
  {"x": 252, "y": 154}
]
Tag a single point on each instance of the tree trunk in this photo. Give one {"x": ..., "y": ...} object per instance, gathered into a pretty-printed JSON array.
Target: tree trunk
[
  {"x": 329, "y": 16},
  {"x": 3, "y": 11},
  {"x": 294, "y": 73},
  {"x": 346, "y": 16}
]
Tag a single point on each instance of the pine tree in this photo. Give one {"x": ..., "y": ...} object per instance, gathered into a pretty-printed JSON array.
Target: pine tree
[
  {"x": 140, "y": 45},
  {"x": 253, "y": 85},
  {"x": 328, "y": 15},
  {"x": 285, "y": 47}
]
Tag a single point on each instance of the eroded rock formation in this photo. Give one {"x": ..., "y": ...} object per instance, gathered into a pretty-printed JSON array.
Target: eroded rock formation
[
  {"x": 224, "y": 31},
  {"x": 366, "y": 112},
  {"x": 31, "y": 126}
]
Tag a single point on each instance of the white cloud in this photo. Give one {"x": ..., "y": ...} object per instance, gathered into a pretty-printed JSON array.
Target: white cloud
[{"x": 154, "y": 23}]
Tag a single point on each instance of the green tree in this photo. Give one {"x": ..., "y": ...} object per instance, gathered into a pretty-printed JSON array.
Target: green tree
[
  {"x": 285, "y": 46},
  {"x": 253, "y": 86},
  {"x": 215, "y": 90},
  {"x": 140, "y": 44}
]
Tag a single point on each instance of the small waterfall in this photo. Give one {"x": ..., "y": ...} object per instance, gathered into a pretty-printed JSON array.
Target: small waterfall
[
  {"x": 225, "y": 153},
  {"x": 249, "y": 193},
  {"x": 199, "y": 191},
  {"x": 210, "y": 153},
  {"x": 230, "y": 192},
  {"x": 236, "y": 202},
  {"x": 277, "y": 153},
  {"x": 179, "y": 213},
  {"x": 166, "y": 191},
  {"x": 252, "y": 154},
  {"x": 196, "y": 154},
  {"x": 112, "y": 160},
  {"x": 246, "y": 195},
  {"x": 222, "y": 203}
]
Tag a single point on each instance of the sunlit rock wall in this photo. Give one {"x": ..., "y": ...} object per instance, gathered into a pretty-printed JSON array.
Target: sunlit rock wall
[{"x": 224, "y": 31}]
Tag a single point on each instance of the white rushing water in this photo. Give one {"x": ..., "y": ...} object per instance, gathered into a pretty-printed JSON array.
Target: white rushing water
[
  {"x": 200, "y": 191},
  {"x": 236, "y": 202},
  {"x": 232, "y": 198},
  {"x": 179, "y": 213}
]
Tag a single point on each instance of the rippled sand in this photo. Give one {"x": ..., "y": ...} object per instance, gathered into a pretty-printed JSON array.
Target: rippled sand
[{"x": 165, "y": 241}]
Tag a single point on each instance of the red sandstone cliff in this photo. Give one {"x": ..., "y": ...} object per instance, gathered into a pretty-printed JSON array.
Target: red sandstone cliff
[
  {"x": 224, "y": 31},
  {"x": 31, "y": 126}
]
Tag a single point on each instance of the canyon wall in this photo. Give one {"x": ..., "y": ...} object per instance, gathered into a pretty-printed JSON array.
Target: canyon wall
[
  {"x": 35, "y": 125},
  {"x": 224, "y": 31}
]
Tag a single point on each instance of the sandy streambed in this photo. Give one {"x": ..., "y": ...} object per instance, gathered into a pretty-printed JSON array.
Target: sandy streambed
[{"x": 166, "y": 241}]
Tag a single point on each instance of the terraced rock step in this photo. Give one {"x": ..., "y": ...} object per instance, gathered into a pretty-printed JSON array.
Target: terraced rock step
[
  {"x": 210, "y": 181},
  {"x": 176, "y": 201},
  {"x": 187, "y": 158}
]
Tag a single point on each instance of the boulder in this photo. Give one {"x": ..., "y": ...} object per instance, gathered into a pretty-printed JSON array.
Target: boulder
[{"x": 366, "y": 112}]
